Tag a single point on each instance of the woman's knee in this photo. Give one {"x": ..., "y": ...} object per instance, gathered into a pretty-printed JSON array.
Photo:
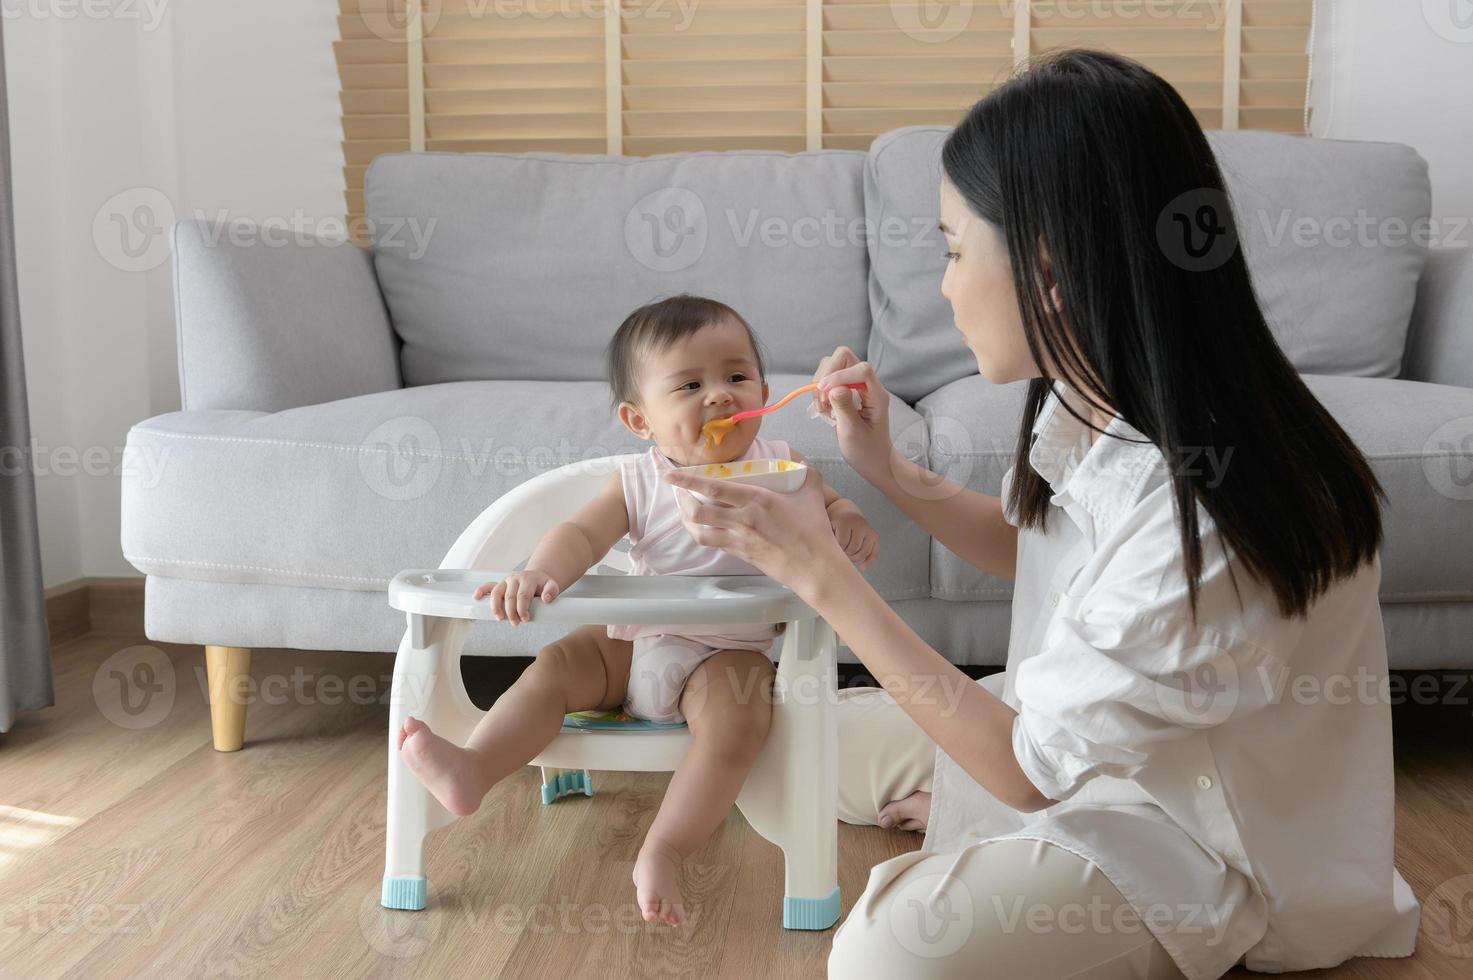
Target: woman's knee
[
  {"x": 1005, "y": 908},
  {"x": 914, "y": 920},
  {"x": 883, "y": 754}
]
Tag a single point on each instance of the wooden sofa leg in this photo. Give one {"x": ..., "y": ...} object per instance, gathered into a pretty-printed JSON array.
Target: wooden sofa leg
[{"x": 229, "y": 670}]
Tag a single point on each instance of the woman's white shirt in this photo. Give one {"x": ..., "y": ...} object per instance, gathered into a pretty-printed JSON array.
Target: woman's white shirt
[{"x": 1233, "y": 778}]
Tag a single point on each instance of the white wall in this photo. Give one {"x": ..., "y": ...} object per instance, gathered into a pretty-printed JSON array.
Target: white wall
[
  {"x": 32, "y": 66},
  {"x": 1401, "y": 71},
  {"x": 210, "y": 105}
]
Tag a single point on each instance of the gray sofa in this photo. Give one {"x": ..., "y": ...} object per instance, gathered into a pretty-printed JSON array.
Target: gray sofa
[{"x": 347, "y": 412}]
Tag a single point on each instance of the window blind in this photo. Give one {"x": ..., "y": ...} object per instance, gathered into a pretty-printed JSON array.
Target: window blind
[
  {"x": 908, "y": 63},
  {"x": 657, "y": 76}
]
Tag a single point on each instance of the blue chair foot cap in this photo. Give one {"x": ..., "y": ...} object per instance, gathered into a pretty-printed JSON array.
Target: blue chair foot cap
[
  {"x": 566, "y": 783},
  {"x": 404, "y": 893},
  {"x": 811, "y": 913}
]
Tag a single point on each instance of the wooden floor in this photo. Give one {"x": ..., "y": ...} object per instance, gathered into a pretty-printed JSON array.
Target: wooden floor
[{"x": 140, "y": 851}]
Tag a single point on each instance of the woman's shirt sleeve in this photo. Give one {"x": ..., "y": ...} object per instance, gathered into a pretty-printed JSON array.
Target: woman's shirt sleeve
[{"x": 1122, "y": 667}]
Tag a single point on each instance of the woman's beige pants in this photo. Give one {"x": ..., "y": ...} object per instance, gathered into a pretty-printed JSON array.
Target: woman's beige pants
[{"x": 1008, "y": 909}]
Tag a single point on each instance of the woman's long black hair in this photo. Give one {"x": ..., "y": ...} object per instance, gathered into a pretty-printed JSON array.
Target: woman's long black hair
[{"x": 1100, "y": 159}]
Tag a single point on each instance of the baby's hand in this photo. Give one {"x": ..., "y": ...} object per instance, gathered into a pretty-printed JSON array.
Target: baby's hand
[
  {"x": 511, "y": 598},
  {"x": 860, "y": 541}
]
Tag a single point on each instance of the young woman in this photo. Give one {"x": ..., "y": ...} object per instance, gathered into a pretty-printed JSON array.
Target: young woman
[{"x": 1187, "y": 762}]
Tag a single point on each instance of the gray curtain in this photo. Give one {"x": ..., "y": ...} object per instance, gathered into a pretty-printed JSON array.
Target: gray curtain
[{"x": 25, "y": 642}]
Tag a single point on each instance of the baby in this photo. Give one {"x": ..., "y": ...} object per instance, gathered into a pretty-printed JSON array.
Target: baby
[{"x": 673, "y": 365}]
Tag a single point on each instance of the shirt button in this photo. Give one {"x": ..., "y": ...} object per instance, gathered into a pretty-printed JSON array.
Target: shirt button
[
  {"x": 1204, "y": 782},
  {"x": 1053, "y": 599}
]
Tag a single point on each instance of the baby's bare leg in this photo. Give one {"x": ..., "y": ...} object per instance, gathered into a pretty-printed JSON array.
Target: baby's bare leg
[
  {"x": 584, "y": 670},
  {"x": 727, "y": 702}
]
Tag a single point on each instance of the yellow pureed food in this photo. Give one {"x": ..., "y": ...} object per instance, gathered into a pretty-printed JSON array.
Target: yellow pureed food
[{"x": 715, "y": 430}]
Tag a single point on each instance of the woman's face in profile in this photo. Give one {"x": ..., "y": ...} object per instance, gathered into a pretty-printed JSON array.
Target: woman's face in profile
[{"x": 979, "y": 284}]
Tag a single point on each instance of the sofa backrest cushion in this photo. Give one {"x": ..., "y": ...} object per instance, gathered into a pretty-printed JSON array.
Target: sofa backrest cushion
[
  {"x": 521, "y": 266},
  {"x": 1334, "y": 233}
]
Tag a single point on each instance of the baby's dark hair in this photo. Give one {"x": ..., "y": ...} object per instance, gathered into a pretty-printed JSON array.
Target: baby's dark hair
[{"x": 654, "y": 327}]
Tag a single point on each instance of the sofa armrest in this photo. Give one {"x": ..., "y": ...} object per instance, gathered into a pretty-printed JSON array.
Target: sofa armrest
[
  {"x": 1440, "y": 338},
  {"x": 275, "y": 319}
]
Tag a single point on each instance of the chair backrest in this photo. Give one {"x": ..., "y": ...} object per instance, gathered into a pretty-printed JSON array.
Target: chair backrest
[{"x": 503, "y": 536}]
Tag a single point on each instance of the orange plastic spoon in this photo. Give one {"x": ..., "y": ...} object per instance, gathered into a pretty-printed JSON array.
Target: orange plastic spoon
[{"x": 716, "y": 429}]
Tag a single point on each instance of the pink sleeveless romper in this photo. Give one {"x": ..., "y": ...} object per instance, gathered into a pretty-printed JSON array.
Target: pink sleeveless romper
[{"x": 659, "y": 544}]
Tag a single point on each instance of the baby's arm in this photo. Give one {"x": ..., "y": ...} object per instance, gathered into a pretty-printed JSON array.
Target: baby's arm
[
  {"x": 860, "y": 541},
  {"x": 577, "y": 544},
  {"x": 830, "y": 495},
  {"x": 563, "y": 555}
]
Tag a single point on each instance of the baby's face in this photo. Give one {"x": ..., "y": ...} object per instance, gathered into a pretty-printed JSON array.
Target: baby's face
[{"x": 708, "y": 375}]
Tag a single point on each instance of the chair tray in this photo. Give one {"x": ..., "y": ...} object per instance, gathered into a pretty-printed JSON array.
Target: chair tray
[{"x": 614, "y": 600}]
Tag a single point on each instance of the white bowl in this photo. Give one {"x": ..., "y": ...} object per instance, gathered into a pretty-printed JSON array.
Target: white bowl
[{"x": 782, "y": 475}]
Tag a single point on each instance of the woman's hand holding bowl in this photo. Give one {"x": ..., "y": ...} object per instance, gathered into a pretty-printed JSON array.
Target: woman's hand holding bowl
[{"x": 786, "y": 535}]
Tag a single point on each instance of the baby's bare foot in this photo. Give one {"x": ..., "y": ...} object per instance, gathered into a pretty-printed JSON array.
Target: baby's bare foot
[
  {"x": 656, "y": 872},
  {"x": 446, "y": 770},
  {"x": 910, "y": 813}
]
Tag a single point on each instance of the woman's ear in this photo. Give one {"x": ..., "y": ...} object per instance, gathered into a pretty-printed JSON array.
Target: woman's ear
[
  {"x": 635, "y": 421},
  {"x": 764, "y": 391}
]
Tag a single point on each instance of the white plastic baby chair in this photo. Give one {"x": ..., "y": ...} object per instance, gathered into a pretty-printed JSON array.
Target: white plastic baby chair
[{"x": 789, "y": 797}]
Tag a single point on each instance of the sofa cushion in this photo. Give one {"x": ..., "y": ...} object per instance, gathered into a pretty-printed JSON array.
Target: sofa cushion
[
  {"x": 1418, "y": 438},
  {"x": 521, "y": 266},
  {"x": 913, "y": 342},
  {"x": 1319, "y": 222},
  {"x": 1336, "y": 306},
  {"x": 345, "y": 494}
]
